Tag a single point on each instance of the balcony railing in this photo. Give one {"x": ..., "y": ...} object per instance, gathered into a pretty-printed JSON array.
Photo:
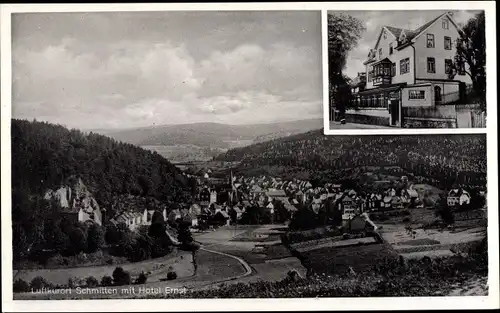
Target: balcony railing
[{"x": 382, "y": 79}]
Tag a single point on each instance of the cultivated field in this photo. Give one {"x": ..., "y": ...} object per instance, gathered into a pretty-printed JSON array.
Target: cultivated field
[{"x": 338, "y": 260}]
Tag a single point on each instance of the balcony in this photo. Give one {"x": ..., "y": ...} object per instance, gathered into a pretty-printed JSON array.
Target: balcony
[
  {"x": 382, "y": 72},
  {"x": 382, "y": 80}
]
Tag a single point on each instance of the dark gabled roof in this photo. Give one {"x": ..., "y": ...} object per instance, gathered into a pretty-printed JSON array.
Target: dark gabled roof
[
  {"x": 276, "y": 193},
  {"x": 223, "y": 213},
  {"x": 384, "y": 60},
  {"x": 346, "y": 198},
  {"x": 419, "y": 30},
  {"x": 174, "y": 212},
  {"x": 410, "y": 34},
  {"x": 396, "y": 31}
]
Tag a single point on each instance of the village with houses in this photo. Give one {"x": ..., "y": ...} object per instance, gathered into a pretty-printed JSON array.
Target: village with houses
[{"x": 223, "y": 202}]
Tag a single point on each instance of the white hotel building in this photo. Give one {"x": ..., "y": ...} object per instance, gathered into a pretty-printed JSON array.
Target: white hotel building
[{"x": 409, "y": 68}]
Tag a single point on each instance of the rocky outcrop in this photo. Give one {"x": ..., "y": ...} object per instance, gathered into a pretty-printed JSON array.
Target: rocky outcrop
[{"x": 74, "y": 198}]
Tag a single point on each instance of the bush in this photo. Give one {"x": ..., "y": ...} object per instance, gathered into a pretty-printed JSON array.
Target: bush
[
  {"x": 92, "y": 282},
  {"x": 95, "y": 238},
  {"x": 110, "y": 261},
  {"x": 406, "y": 220},
  {"x": 38, "y": 283},
  {"x": 171, "y": 275},
  {"x": 121, "y": 277},
  {"x": 106, "y": 281},
  {"x": 57, "y": 260},
  {"x": 292, "y": 276},
  {"x": 141, "y": 279},
  {"x": 21, "y": 286},
  {"x": 74, "y": 282}
]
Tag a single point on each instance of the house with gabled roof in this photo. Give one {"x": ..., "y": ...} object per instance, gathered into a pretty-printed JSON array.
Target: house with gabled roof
[
  {"x": 277, "y": 194},
  {"x": 409, "y": 196},
  {"x": 458, "y": 196},
  {"x": 195, "y": 209},
  {"x": 189, "y": 218},
  {"x": 174, "y": 215},
  {"x": 222, "y": 218},
  {"x": 411, "y": 68},
  {"x": 133, "y": 220}
]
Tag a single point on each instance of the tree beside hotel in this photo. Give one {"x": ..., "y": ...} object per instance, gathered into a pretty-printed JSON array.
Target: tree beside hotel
[
  {"x": 344, "y": 31},
  {"x": 471, "y": 50}
]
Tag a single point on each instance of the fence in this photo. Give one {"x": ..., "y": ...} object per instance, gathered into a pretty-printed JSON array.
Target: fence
[
  {"x": 468, "y": 116},
  {"x": 444, "y": 116}
]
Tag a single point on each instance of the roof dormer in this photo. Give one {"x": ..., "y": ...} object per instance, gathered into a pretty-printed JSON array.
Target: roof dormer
[{"x": 402, "y": 36}]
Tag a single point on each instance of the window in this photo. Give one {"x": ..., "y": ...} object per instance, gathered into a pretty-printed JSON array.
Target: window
[
  {"x": 385, "y": 35},
  {"x": 391, "y": 49},
  {"x": 431, "y": 65},
  {"x": 446, "y": 24},
  {"x": 447, "y": 43},
  {"x": 404, "y": 66},
  {"x": 393, "y": 70},
  {"x": 430, "y": 41},
  {"x": 448, "y": 64},
  {"x": 416, "y": 95},
  {"x": 380, "y": 53}
]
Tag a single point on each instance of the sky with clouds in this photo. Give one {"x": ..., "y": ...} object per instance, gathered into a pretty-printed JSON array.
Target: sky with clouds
[
  {"x": 375, "y": 20},
  {"x": 132, "y": 69}
]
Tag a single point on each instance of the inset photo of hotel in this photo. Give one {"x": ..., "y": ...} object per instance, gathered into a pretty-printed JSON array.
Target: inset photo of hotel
[{"x": 406, "y": 69}]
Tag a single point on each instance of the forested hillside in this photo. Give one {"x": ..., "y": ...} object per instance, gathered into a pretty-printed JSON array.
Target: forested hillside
[
  {"x": 45, "y": 155},
  {"x": 450, "y": 159},
  {"x": 120, "y": 176}
]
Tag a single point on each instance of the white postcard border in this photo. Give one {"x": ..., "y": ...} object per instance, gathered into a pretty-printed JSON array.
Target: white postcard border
[{"x": 409, "y": 303}]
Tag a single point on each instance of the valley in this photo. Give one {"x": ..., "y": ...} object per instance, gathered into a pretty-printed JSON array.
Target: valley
[{"x": 293, "y": 208}]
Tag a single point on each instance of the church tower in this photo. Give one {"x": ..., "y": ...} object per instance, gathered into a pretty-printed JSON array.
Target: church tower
[{"x": 232, "y": 192}]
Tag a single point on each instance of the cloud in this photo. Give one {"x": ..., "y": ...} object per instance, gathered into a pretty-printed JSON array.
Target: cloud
[
  {"x": 250, "y": 67},
  {"x": 130, "y": 81}
]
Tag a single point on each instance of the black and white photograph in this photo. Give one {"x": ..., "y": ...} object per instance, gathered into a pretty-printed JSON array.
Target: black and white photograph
[
  {"x": 407, "y": 69},
  {"x": 181, "y": 154}
]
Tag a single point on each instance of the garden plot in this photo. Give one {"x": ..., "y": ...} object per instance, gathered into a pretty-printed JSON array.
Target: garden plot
[
  {"x": 433, "y": 243},
  {"x": 340, "y": 259},
  {"x": 332, "y": 243}
]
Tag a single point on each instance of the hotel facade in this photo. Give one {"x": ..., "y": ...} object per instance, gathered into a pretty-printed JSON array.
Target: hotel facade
[{"x": 410, "y": 68}]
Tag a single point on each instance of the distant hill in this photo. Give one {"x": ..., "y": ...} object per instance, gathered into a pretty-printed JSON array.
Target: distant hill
[
  {"x": 212, "y": 135},
  {"x": 447, "y": 159}
]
